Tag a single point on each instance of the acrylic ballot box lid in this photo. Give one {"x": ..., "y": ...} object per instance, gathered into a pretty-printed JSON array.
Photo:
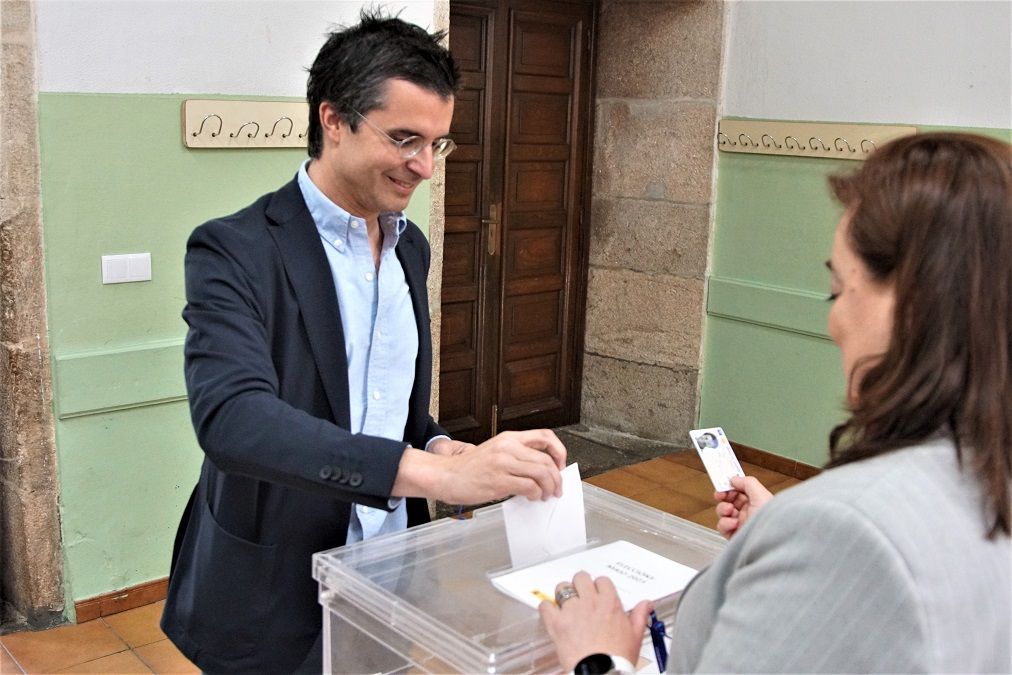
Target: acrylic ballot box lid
[{"x": 421, "y": 601}]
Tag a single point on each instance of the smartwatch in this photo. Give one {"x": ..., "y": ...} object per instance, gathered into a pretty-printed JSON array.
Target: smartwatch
[{"x": 598, "y": 664}]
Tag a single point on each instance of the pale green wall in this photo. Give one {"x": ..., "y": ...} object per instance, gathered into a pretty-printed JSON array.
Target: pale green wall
[
  {"x": 771, "y": 376},
  {"x": 116, "y": 178}
]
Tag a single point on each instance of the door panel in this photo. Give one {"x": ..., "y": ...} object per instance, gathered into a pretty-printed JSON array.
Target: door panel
[
  {"x": 515, "y": 192},
  {"x": 464, "y": 396}
]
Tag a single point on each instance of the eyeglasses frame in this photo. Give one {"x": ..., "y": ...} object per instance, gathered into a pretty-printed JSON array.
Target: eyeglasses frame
[{"x": 441, "y": 147}]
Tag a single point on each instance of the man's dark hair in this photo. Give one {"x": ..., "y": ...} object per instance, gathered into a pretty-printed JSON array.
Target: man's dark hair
[{"x": 355, "y": 63}]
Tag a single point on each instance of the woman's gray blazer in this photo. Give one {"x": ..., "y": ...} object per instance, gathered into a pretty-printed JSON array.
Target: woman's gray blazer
[{"x": 877, "y": 566}]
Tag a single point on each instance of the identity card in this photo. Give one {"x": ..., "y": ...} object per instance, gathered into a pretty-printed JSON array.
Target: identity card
[{"x": 718, "y": 457}]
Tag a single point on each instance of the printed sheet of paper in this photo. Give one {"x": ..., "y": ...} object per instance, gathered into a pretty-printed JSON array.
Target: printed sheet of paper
[
  {"x": 638, "y": 574},
  {"x": 718, "y": 457},
  {"x": 536, "y": 530}
]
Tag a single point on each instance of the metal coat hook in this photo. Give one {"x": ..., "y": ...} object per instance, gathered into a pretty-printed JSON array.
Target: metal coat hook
[
  {"x": 291, "y": 127},
  {"x": 836, "y": 144},
  {"x": 787, "y": 138},
  {"x": 304, "y": 133},
  {"x": 812, "y": 145},
  {"x": 244, "y": 125},
  {"x": 201, "y": 129}
]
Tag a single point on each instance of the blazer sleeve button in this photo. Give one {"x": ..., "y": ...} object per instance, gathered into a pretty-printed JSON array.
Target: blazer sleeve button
[
  {"x": 355, "y": 480},
  {"x": 325, "y": 472},
  {"x": 345, "y": 476},
  {"x": 337, "y": 475}
]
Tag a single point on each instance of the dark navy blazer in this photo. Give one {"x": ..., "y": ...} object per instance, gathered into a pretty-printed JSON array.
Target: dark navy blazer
[{"x": 266, "y": 374}]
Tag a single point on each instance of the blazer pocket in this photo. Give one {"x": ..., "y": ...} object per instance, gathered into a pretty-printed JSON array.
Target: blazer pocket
[{"x": 231, "y": 581}]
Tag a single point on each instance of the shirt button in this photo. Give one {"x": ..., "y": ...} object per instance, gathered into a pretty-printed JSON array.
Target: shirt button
[
  {"x": 366, "y": 510},
  {"x": 376, "y": 395},
  {"x": 339, "y": 243},
  {"x": 354, "y": 224},
  {"x": 368, "y": 276}
]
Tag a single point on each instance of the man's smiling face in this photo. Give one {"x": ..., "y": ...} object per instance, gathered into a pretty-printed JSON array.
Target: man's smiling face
[{"x": 367, "y": 174}]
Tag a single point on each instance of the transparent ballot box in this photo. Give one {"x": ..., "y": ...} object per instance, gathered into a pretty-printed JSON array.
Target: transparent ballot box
[{"x": 421, "y": 601}]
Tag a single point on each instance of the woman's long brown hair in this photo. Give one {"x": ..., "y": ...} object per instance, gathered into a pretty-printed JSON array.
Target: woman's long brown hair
[{"x": 932, "y": 214}]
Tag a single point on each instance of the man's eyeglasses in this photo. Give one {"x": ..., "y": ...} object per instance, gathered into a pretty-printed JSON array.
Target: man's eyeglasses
[{"x": 412, "y": 145}]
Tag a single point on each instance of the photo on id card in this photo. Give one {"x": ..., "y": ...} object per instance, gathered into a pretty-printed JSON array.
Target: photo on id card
[{"x": 718, "y": 457}]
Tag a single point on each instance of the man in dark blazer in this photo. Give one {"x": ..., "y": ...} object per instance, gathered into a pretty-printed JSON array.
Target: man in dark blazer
[{"x": 308, "y": 362}]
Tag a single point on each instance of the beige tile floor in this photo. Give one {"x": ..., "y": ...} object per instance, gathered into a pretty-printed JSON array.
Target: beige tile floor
[{"x": 132, "y": 642}]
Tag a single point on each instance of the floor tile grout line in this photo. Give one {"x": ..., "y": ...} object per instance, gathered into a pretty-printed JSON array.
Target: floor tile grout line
[
  {"x": 13, "y": 658},
  {"x": 141, "y": 659},
  {"x": 112, "y": 630},
  {"x": 98, "y": 658},
  {"x": 130, "y": 647}
]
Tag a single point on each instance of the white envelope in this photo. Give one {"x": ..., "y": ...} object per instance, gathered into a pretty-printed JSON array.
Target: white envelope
[{"x": 537, "y": 530}]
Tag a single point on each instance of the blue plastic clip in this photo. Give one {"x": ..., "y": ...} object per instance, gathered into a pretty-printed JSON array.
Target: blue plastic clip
[{"x": 657, "y": 636}]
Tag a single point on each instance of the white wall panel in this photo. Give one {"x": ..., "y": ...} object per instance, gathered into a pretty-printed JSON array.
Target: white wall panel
[
  {"x": 944, "y": 63},
  {"x": 244, "y": 47}
]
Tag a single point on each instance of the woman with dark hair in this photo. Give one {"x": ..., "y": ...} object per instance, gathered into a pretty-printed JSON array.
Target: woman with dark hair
[{"x": 897, "y": 557}]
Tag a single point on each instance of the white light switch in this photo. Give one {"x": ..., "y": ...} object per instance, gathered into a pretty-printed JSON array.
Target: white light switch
[{"x": 119, "y": 269}]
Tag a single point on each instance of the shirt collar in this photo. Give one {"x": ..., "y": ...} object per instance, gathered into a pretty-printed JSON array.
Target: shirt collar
[{"x": 333, "y": 222}]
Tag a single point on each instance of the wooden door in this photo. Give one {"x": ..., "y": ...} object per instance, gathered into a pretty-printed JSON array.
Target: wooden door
[{"x": 514, "y": 253}]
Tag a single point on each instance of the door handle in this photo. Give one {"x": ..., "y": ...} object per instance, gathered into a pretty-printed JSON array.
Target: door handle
[{"x": 493, "y": 228}]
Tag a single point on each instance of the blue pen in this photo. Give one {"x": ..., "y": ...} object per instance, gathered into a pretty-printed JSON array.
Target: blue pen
[{"x": 657, "y": 636}]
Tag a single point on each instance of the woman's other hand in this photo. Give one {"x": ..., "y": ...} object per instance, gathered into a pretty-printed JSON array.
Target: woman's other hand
[
  {"x": 593, "y": 622},
  {"x": 736, "y": 506}
]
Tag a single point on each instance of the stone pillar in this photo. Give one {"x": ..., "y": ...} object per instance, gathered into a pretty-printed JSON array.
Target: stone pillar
[
  {"x": 437, "y": 222},
  {"x": 30, "y": 554},
  {"x": 658, "y": 72}
]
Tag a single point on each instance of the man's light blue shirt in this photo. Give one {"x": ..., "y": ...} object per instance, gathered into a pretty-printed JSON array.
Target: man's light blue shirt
[{"x": 380, "y": 333}]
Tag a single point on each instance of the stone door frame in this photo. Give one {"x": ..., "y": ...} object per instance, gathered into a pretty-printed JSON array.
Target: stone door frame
[{"x": 31, "y": 558}]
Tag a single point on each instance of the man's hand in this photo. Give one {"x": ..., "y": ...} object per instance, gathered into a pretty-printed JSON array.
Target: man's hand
[
  {"x": 447, "y": 446},
  {"x": 736, "y": 506},
  {"x": 593, "y": 622},
  {"x": 512, "y": 463}
]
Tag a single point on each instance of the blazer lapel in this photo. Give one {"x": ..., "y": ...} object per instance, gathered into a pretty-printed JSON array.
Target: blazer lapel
[{"x": 308, "y": 271}]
